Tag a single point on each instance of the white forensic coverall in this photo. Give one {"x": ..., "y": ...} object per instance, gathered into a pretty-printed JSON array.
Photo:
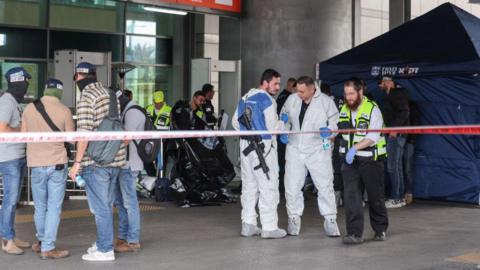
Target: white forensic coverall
[
  {"x": 306, "y": 152},
  {"x": 255, "y": 185}
]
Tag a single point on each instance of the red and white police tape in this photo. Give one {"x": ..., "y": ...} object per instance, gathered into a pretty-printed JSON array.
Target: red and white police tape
[{"x": 19, "y": 137}]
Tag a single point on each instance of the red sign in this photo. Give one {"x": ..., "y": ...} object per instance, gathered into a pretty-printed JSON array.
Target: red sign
[{"x": 226, "y": 5}]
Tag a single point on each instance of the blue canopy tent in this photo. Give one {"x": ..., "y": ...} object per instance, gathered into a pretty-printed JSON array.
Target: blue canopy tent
[{"x": 436, "y": 57}]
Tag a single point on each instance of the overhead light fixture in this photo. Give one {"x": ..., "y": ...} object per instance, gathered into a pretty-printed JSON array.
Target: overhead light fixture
[{"x": 165, "y": 10}]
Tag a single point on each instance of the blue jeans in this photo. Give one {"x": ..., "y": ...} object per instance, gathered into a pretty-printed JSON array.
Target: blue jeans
[
  {"x": 408, "y": 163},
  {"x": 48, "y": 189},
  {"x": 395, "y": 166},
  {"x": 100, "y": 188},
  {"x": 12, "y": 172},
  {"x": 127, "y": 204}
]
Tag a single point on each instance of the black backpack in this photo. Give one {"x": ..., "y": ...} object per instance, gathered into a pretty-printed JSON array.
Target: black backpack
[
  {"x": 162, "y": 190},
  {"x": 147, "y": 149}
]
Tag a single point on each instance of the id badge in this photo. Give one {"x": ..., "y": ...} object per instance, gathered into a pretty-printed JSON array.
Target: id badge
[{"x": 362, "y": 128}]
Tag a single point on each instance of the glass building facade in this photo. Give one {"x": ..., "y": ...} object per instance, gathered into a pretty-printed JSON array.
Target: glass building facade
[{"x": 31, "y": 30}]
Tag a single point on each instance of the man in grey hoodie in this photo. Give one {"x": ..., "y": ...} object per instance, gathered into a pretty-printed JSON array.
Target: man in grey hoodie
[{"x": 125, "y": 193}]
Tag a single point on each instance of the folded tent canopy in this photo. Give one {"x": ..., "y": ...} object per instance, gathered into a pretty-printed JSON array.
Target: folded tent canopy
[{"x": 436, "y": 57}]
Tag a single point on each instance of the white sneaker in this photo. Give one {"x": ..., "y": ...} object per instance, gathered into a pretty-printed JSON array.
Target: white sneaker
[
  {"x": 249, "y": 230},
  {"x": 275, "y": 234},
  {"x": 98, "y": 256},
  {"x": 391, "y": 203},
  {"x": 331, "y": 228},
  {"x": 92, "y": 249},
  {"x": 294, "y": 225}
]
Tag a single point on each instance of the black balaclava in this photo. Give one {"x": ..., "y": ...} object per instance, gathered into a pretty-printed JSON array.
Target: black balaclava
[
  {"x": 124, "y": 100},
  {"x": 86, "y": 81},
  {"x": 18, "y": 90}
]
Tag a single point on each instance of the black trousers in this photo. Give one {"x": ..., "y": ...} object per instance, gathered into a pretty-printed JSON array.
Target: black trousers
[
  {"x": 370, "y": 174},
  {"x": 337, "y": 161},
  {"x": 281, "y": 165}
]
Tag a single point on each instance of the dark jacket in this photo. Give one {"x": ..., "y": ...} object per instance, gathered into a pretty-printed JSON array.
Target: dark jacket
[
  {"x": 414, "y": 121},
  {"x": 281, "y": 99},
  {"x": 209, "y": 113},
  {"x": 396, "y": 112},
  {"x": 183, "y": 118}
]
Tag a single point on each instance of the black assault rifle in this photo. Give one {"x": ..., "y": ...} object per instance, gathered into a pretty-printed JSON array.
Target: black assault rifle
[{"x": 255, "y": 141}]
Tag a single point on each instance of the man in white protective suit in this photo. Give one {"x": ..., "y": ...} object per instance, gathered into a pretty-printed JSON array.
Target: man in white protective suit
[
  {"x": 257, "y": 110},
  {"x": 310, "y": 110}
]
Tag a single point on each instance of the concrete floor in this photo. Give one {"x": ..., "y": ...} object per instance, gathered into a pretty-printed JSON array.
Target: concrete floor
[{"x": 424, "y": 235}]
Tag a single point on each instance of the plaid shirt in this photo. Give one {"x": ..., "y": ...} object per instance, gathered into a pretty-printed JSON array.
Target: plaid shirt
[{"x": 92, "y": 107}]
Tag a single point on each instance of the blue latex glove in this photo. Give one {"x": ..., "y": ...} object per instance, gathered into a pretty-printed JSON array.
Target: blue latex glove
[
  {"x": 350, "y": 155},
  {"x": 284, "y": 117},
  {"x": 284, "y": 138},
  {"x": 325, "y": 132}
]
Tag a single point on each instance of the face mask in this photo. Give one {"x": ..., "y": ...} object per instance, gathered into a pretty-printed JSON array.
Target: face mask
[
  {"x": 123, "y": 102},
  {"x": 18, "y": 90},
  {"x": 81, "y": 84},
  {"x": 52, "y": 92}
]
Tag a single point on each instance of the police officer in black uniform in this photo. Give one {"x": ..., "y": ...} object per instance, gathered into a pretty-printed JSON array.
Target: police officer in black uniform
[{"x": 209, "y": 92}]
